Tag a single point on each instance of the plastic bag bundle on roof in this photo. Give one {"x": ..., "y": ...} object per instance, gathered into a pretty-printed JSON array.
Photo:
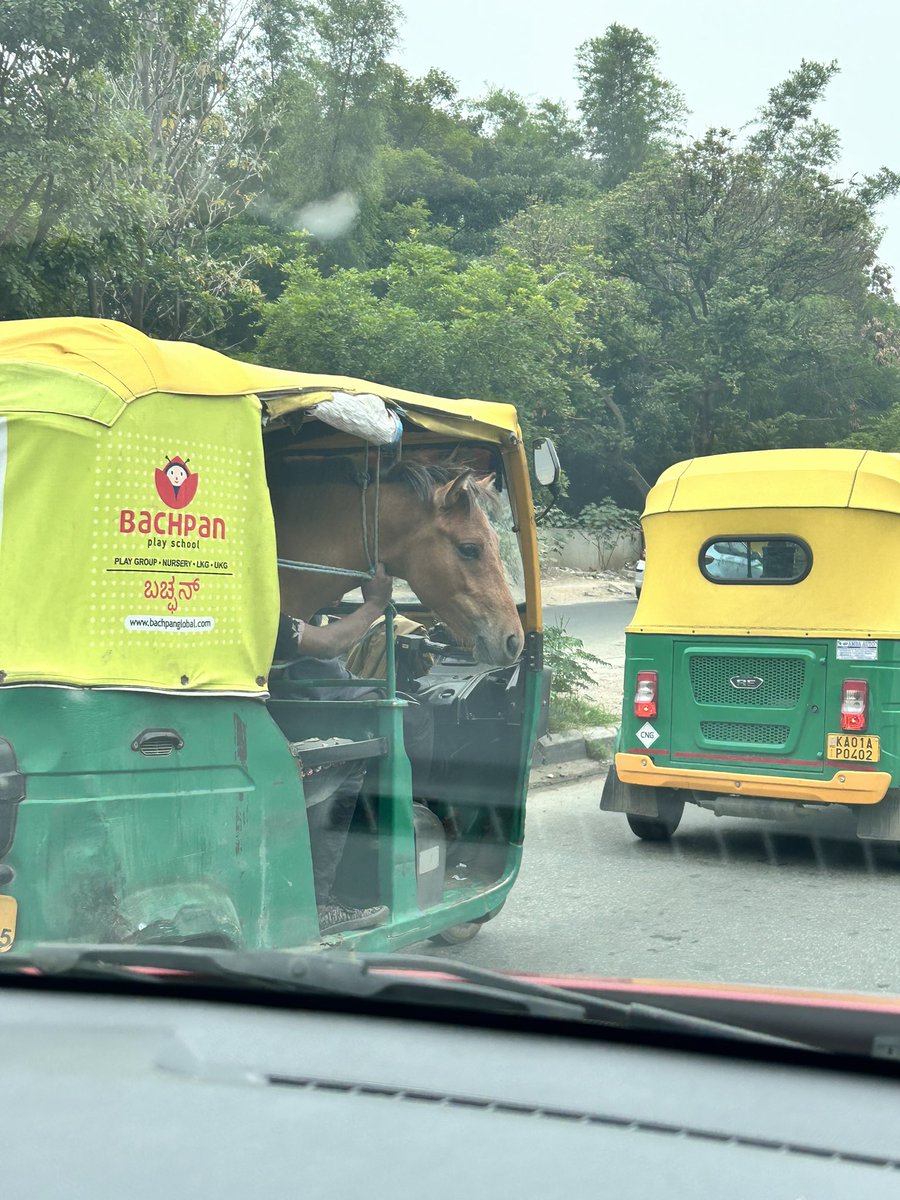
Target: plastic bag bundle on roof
[{"x": 364, "y": 415}]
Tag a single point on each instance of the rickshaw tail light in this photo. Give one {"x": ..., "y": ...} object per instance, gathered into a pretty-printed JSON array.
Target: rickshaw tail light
[
  {"x": 646, "y": 692},
  {"x": 854, "y": 704}
]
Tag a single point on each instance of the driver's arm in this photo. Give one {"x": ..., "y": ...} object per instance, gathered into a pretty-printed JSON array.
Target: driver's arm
[{"x": 336, "y": 638}]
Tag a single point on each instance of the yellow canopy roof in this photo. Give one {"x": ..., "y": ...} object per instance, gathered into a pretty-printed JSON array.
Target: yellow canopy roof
[
  {"x": 128, "y": 364},
  {"x": 862, "y": 479}
]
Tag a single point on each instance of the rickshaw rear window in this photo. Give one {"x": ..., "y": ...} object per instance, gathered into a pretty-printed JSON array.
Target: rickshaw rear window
[{"x": 756, "y": 559}]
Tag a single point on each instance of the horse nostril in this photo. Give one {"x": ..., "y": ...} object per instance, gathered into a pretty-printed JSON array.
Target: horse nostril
[{"x": 514, "y": 645}]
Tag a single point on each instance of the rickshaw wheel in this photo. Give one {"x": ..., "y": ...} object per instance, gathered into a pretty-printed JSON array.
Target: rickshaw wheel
[
  {"x": 661, "y": 828},
  {"x": 466, "y": 930},
  {"x": 457, "y": 934}
]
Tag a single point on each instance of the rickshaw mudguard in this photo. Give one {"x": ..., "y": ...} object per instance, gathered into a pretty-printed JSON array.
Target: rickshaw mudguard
[{"x": 207, "y": 842}]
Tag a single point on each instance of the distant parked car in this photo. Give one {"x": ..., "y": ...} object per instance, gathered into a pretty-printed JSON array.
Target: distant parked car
[{"x": 639, "y": 574}]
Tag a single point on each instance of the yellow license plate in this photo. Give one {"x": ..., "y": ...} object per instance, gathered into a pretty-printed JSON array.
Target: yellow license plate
[
  {"x": 854, "y": 747},
  {"x": 8, "y": 910}
]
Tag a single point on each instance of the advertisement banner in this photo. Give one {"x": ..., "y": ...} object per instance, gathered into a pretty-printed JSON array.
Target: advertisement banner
[{"x": 141, "y": 554}]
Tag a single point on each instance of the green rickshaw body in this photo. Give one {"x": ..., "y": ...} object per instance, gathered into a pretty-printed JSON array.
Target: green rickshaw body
[
  {"x": 148, "y": 790},
  {"x": 762, "y": 674}
]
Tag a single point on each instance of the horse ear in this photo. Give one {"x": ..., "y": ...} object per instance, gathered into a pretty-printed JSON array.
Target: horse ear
[
  {"x": 487, "y": 481},
  {"x": 456, "y": 492}
]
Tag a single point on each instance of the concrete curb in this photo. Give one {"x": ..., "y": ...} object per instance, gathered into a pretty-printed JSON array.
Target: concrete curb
[
  {"x": 597, "y": 742},
  {"x": 570, "y": 755}
]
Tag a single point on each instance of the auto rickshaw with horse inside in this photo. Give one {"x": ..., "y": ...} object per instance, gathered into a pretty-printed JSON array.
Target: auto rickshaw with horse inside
[
  {"x": 762, "y": 673},
  {"x": 163, "y": 511}
]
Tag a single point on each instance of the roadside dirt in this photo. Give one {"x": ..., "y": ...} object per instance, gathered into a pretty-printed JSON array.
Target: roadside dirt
[{"x": 560, "y": 585}]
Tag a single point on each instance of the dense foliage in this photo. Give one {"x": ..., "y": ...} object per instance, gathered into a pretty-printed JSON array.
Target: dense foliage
[{"x": 259, "y": 175}]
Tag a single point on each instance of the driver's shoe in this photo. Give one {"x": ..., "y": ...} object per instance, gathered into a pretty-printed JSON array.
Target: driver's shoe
[{"x": 335, "y": 917}]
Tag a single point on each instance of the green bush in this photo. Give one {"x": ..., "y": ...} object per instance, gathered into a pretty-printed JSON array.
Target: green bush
[
  {"x": 572, "y": 667},
  {"x": 570, "y": 662}
]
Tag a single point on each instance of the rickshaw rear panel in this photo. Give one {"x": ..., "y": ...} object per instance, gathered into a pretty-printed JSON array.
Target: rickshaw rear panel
[{"x": 93, "y": 852}]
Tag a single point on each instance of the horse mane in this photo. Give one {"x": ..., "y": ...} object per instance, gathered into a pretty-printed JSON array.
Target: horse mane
[
  {"x": 423, "y": 479},
  {"x": 420, "y": 477}
]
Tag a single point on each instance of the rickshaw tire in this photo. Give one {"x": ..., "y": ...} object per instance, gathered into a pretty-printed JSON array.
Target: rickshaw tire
[
  {"x": 661, "y": 828},
  {"x": 489, "y": 916},
  {"x": 456, "y": 935}
]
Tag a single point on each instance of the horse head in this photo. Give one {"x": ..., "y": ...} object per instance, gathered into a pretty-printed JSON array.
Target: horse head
[{"x": 451, "y": 560}]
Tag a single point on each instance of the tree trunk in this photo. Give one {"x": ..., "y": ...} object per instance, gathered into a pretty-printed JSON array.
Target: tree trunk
[{"x": 636, "y": 477}]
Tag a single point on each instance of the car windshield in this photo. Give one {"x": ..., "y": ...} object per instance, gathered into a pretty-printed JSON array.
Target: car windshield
[{"x": 295, "y": 648}]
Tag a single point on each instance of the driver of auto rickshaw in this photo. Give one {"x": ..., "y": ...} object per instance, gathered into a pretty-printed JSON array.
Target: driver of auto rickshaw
[{"x": 331, "y": 795}]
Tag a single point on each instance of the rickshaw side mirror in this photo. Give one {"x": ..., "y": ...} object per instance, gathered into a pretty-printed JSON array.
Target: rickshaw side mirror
[
  {"x": 546, "y": 463},
  {"x": 546, "y": 471}
]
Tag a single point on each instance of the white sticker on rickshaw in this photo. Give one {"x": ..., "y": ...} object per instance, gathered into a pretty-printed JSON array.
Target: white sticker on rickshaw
[
  {"x": 647, "y": 735},
  {"x": 153, "y": 623},
  {"x": 856, "y": 650}
]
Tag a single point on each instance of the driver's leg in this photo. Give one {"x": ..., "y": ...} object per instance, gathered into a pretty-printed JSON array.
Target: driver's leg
[
  {"x": 418, "y": 738},
  {"x": 329, "y": 818}
]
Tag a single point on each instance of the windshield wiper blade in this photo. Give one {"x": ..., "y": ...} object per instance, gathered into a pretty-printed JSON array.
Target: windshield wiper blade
[
  {"x": 398, "y": 978},
  {"x": 622, "y": 1014},
  {"x": 301, "y": 972}
]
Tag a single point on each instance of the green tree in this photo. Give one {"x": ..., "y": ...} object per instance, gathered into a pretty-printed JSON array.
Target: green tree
[
  {"x": 352, "y": 41},
  {"x": 325, "y": 175},
  {"x": 487, "y": 329},
  {"x": 787, "y": 132},
  {"x": 617, "y": 346},
  {"x": 65, "y": 148},
  {"x": 427, "y": 159},
  {"x": 200, "y": 87},
  {"x": 630, "y": 111},
  {"x": 129, "y": 135},
  {"x": 757, "y": 281},
  {"x": 739, "y": 298},
  {"x": 476, "y": 164}
]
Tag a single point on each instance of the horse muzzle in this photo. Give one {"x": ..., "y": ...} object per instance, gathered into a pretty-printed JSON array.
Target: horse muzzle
[{"x": 499, "y": 650}]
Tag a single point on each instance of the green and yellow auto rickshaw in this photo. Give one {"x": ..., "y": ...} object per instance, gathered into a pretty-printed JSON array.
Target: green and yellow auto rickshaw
[
  {"x": 153, "y": 759},
  {"x": 762, "y": 674}
]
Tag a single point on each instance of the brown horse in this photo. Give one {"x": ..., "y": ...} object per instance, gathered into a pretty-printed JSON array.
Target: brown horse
[{"x": 432, "y": 532}]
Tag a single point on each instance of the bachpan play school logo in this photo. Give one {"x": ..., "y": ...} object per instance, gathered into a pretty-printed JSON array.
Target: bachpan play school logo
[
  {"x": 176, "y": 486},
  {"x": 175, "y": 483}
]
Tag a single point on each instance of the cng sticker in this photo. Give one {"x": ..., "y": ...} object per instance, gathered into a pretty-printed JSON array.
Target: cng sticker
[{"x": 647, "y": 735}]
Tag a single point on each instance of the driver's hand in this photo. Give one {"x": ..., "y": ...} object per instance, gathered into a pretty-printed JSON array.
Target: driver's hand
[{"x": 377, "y": 590}]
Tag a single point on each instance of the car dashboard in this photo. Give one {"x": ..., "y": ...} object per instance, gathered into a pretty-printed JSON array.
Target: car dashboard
[{"x": 150, "y": 1096}]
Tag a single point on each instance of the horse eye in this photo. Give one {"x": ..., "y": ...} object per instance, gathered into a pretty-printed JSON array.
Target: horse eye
[{"x": 469, "y": 550}]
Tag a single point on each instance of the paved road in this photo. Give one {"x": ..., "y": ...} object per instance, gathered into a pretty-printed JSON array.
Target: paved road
[
  {"x": 742, "y": 901},
  {"x": 600, "y": 623}
]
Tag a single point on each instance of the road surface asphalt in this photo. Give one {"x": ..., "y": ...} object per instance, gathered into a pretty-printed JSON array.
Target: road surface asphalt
[{"x": 729, "y": 900}]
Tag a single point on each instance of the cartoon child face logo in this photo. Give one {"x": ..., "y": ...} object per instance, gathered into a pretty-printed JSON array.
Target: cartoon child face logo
[
  {"x": 176, "y": 484},
  {"x": 177, "y": 474}
]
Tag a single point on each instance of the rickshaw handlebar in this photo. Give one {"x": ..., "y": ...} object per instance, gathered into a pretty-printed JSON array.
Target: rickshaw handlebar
[{"x": 425, "y": 644}]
